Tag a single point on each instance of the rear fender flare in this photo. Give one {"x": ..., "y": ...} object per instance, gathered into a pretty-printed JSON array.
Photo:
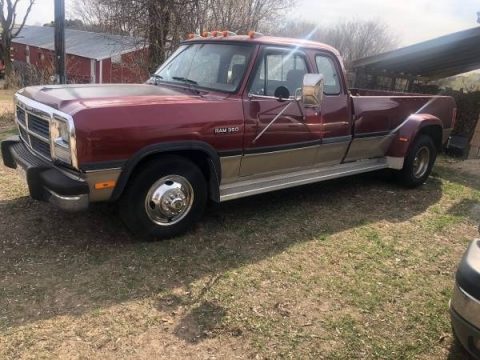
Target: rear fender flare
[
  {"x": 213, "y": 160},
  {"x": 404, "y": 135}
]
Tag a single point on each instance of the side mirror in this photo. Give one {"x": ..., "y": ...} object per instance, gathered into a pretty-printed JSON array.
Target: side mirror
[
  {"x": 282, "y": 93},
  {"x": 312, "y": 90}
]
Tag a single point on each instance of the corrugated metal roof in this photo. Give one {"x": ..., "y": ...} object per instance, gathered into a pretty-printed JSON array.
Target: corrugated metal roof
[
  {"x": 81, "y": 43},
  {"x": 441, "y": 57}
]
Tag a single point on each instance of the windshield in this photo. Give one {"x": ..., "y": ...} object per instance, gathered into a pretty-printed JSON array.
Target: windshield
[{"x": 212, "y": 66}]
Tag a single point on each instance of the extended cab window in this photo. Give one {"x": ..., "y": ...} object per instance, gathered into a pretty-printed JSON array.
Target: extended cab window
[
  {"x": 212, "y": 66},
  {"x": 326, "y": 67},
  {"x": 279, "y": 69}
]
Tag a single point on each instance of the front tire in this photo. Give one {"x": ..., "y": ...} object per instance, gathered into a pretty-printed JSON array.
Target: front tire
[
  {"x": 419, "y": 162},
  {"x": 165, "y": 198}
]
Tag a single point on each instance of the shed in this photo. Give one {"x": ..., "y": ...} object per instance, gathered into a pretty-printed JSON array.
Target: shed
[{"x": 91, "y": 57}]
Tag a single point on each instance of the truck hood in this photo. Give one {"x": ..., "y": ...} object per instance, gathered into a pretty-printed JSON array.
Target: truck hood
[{"x": 71, "y": 98}]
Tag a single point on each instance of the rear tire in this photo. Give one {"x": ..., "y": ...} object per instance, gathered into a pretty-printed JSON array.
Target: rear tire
[
  {"x": 164, "y": 199},
  {"x": 419, "y": 162}
]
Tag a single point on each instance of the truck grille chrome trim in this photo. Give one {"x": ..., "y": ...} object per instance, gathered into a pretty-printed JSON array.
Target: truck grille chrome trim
[
  {"x": 37, "y": 143},
  {"x": 21, "y": 116},
  {"x": 34, "y": 120}
]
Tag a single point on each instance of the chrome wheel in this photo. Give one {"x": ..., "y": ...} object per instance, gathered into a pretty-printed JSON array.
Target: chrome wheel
[
  {"x": 169, "y": 200},
  {"x": 421, "y": 162}
]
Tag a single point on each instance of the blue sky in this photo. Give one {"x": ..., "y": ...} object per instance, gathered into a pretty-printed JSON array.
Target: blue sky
[{"x": 411, "y": 20}]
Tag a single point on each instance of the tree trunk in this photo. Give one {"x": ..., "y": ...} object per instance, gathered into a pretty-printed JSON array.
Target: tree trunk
[
  {"x": 159, "y": 23},
  {"x": 7, "y": 53}
]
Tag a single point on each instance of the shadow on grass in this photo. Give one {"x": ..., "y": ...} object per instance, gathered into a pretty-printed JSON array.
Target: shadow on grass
[
  {"x": 458, "y": 352},
  {"x": 467, "y": 207},
  {"x": 54, "y": 263},
  {"x": 458, "y": 176}
]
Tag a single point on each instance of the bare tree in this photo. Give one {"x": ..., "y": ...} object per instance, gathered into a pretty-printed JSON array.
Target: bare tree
[
  {"x": 354, "y": 39},
  {"x": 165, "y": 23},
  {"x": 10, "y": 29},
  {"x": 245, "y": 15}
]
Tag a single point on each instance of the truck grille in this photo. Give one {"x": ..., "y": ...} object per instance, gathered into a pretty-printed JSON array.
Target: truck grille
[
  {"x": 40, "y": 146},
  {"x": 34, "y": 131},
  {"x": 39, "y": 126},
  {"x": 21, "y": 115},
  {"x": 23, "y": 134}
]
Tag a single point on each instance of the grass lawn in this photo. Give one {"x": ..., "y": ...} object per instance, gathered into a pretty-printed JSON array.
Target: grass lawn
[{"x": 350, "y": 269}]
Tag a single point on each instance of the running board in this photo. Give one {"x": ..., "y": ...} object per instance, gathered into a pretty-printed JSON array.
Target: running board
[{"x": 277, "y": 182}]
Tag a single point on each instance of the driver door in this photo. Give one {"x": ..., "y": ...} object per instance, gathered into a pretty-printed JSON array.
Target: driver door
[{"x": 291, "y": 141}]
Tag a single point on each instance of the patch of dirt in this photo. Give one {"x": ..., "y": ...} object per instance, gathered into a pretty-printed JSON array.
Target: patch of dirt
[{"x": 470, "y": 166}]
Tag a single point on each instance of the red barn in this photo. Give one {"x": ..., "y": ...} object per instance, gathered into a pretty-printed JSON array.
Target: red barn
[{"x": 91, "y": 57}]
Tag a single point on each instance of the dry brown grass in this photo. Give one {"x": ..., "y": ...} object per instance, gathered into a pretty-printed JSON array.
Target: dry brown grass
[
  {"x": 356, "y": 268},
  {"x": 6, "y": 103}
]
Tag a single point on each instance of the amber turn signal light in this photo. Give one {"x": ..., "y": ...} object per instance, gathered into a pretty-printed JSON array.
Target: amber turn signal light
[{"x": 105, "y": 185}]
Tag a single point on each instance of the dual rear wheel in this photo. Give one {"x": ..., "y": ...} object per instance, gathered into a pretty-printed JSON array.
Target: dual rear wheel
[{"x": 419, "y": 162}]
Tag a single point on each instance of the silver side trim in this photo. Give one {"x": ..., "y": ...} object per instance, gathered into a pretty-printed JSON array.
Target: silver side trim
[
  {"x": 369, "y": 147},
  {"x": 281, "y": 160},
  {"x": 230, "y": 166},
  {"x": 258, "y": 186},
  {"x": 395, "y": 162},
  {"x": 98, "y": 176},
  {"x": 466, "y": 306},
  {"x": 101, "y": 170}
]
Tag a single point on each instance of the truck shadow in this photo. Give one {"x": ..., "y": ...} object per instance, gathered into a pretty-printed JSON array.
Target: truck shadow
[
  {"x": 55, "y": 263},
  {"x": 460, "y": 177}
]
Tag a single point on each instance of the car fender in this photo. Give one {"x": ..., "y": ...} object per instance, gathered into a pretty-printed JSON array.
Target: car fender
[
  {"x": 404, "y": 134},
  {"x": 213, "y": 161}
]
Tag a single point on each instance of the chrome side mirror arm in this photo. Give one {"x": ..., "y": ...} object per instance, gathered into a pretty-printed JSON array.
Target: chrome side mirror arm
[{"x": 273, "y": 120}]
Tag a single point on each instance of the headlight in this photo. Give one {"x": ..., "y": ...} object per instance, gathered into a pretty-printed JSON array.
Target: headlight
[{"x": 60, "y": 134}]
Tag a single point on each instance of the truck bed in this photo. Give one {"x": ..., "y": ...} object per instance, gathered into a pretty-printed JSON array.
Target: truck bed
[{"x": 382, "y": 111}]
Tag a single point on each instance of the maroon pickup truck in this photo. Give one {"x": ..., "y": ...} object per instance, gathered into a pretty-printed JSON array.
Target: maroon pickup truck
[{"x": 223, "y": 118}]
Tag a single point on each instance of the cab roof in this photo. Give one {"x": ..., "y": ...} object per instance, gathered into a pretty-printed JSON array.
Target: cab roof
[{"x": 268, "y": 40}]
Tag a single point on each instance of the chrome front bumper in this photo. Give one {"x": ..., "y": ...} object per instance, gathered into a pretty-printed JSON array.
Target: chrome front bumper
[{"x": 45, "y": 181}]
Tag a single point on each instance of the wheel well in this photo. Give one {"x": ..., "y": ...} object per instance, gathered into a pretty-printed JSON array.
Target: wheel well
[
  {"x": 435, "y": 132},
  {"x": 199, "y": 158}
]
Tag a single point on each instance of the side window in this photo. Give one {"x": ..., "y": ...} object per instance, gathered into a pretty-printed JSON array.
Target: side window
[
  {"x": 236, "y": 69},
  {"x": 279, "y": 69},
  {"x": 326, "y": 67}
]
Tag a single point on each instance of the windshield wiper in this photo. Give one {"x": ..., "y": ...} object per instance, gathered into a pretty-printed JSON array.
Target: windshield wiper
[{"x": 185, "y": 80}]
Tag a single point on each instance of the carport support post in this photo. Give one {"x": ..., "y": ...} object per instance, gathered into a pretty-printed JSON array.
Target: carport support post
[{"x": 60, "y": 75}]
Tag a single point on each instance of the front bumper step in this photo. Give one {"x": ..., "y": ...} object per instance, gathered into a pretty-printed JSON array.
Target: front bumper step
[{"x": 45, "y": 181}]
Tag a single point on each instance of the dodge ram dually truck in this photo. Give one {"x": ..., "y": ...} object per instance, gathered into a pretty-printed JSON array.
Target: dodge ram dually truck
[{"x": 223, "y": 118}]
